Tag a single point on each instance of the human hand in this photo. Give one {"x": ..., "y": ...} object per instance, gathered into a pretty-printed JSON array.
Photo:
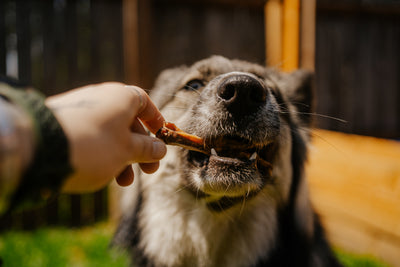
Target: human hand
[{"x": 104, "y": 127}]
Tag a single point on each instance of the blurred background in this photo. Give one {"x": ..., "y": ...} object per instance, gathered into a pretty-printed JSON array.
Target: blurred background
[{"x": 352, "y": 45}]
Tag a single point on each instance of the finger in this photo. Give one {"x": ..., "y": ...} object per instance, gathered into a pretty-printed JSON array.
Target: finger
[
  {"x": 146, "y": 110},
  {"x": 126, "y": 177},
  {"x": 149, "y": 168},
  {"x": 147, "y": 149},
  {"x": 137, "y": 127}
]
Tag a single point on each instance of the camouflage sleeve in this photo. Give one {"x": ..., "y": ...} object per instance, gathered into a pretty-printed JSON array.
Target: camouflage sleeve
[{"x": 34, "y": 153}]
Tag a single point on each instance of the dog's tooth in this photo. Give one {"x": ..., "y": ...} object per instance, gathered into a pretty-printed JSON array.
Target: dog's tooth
[
  {"x": 213, "y": 152},
  {"x": 253, "y": 156}
]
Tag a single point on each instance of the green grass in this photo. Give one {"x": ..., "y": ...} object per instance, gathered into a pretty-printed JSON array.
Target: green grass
[
  {"x": 353, "y": 260},
  {"x": 88, "y": 246},
  {"x": 60, "y": 247}
]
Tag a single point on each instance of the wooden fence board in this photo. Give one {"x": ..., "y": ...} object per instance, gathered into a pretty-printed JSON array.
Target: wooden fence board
[
  {"x": 3, "y": 51},
  {"x": 355, "y": 187},
  {"x": 23, "y": 40}
]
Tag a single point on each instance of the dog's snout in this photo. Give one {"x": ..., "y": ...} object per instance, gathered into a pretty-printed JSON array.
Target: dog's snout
[{"x": 242, "y": 94}]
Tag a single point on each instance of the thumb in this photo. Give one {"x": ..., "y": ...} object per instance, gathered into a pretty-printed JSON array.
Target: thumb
[{"x": 147, "y": 148}]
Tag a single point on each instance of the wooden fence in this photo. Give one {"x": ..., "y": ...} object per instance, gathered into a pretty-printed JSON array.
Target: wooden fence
[{"x": 358, "y": 66}]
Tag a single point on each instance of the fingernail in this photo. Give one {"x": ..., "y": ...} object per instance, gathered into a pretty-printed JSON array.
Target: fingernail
[{"x": 159, "y": 149}]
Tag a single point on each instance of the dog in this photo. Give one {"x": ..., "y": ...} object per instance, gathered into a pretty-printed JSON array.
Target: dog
[{"x": 245, "y": 204}]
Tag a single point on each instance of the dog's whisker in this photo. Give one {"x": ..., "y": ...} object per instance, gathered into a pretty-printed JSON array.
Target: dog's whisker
[
  {"x": 190, "y": 101},
  {"x": 242, "y": 206},
  {"x": 314, "y": 134},
  {"x": 177, "y": 108},
  {"x": 194, "y": 90},
  {"x": 316, "y": 115}
]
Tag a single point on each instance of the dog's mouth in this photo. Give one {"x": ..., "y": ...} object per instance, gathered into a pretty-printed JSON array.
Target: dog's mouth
[
  {"x": 233, "y": 152},
  {"x": 229, "y": 164}
]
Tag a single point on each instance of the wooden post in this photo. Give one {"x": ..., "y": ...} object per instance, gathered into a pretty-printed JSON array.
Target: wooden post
[
  {"x": 273, "y": 32},
  {"x": 290, "y": 35},
  {"x": 307, "y": 34},
  {"x": 285, "y": 47},
  {"x": 131, "y": 41}
]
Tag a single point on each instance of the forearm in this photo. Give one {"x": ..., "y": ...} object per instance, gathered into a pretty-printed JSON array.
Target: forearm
[
  {"x": 33, "y": 149},
  {"x": 16, "y": 149}
]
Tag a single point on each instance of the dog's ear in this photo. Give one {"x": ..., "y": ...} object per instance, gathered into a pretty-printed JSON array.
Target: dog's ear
[
  {"x": 166, "y": 84},
  {"x": 299, "y": 90}
]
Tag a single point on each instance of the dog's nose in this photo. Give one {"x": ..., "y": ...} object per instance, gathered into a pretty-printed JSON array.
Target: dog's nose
[{"x": 242, "y": 94}]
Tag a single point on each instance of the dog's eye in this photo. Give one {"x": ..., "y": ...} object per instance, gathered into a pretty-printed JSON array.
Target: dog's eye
[{"x": 194, "y": 85}]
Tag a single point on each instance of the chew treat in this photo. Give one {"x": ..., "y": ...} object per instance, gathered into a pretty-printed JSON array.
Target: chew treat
[{"x": 172, "y": 135}]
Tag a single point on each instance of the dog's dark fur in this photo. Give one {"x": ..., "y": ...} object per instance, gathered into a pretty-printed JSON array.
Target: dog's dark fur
[{"x": 229, "y": 209}]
